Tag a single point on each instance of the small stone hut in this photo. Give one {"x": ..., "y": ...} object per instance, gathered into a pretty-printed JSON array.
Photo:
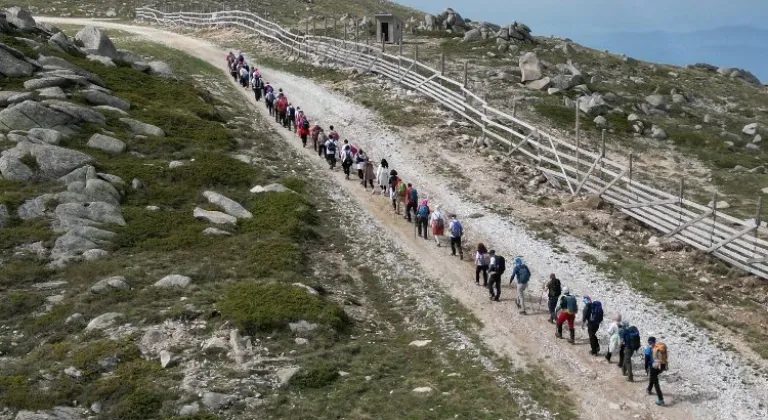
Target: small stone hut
[{"x": 388, "y": 28}]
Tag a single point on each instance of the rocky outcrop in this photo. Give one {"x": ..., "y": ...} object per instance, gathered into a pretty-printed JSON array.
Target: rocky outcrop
[
  {"x": 143, "y": 129},
  {"x": 97, "y": 42},
  {"x": 61, "y": 42},
  {"x": 215, "y": 217},
  {"x": 20, "y": 18},
  {"x": 108, "y": 144},
  {"x": 231, "y": 207},
  {"x": 13, "y": 64},
  {"x": 530, "y": 67},
  {"x": 97, "y": 97}
]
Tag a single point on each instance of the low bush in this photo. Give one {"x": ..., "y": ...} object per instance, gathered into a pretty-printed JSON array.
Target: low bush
[
  {"x": 286, "y": 214},
  {"x": 215, "y": 169},
  {"x": 315, "y": 377},
  {"x": 255, "y": 307},
  {"x": 159, "y": 231},
  {"x": 19, "y": 303},
  {"x": 277, "y": 255}
]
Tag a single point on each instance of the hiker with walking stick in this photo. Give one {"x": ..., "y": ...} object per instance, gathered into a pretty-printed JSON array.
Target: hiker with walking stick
[{"x": 523, "y": 274}]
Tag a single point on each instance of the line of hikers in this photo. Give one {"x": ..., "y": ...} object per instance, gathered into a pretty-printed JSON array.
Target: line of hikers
[{"x": 624, "y": 339}]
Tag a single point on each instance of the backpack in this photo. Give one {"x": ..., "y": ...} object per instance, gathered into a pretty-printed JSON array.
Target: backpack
[
  {"x": 401, "y": 189},
  {"x": 305, "y": 125},
  {"x": 596, "y": 315},
  {"x": 660, "y": 354},
  {"x": 500, "y": 264},
  {"x": 571, "y": 304},
  {"x": 456, "y": 229},
  {"x": 556, "y": 289},
  {"x": 423, "y": 211},
  {"x": 440, "y": 223},
  {"x": 414, "y": 195},
  {"x": 633, "y": 338},
  {"x": 331, "y": 148},
  {"x": 523, "y": 274}
]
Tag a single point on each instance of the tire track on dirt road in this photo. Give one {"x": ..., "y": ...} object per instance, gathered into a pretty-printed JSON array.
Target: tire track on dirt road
[{"x": 695, "y": 387}]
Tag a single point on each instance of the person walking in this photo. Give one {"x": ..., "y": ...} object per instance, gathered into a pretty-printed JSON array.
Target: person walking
[
  {"x": 457, "y": 232},
  {"x": 569, "y": 307},
  {"x": 631, "y": 340},
  {"x": 522, "y": 273},
  {"x": 422, "y": 218},
  {"x": 360, "y": 159},
  {"x": 437, "y": 223},
  {"x": 413, "y": 200},
  {"x": 282, "y": 108},
  {"x": 369, "y": 174},
  {"x": 591, "y": 318},
  {"x": 322, "y": 139},
  {"x": 382, "y": 177},
  {"x": 482, "y": 261},
  {"x": 346, "y": 158},
  {"x": 554, "y": 289},
  {"x": 657, "y": 364},
  {"x": 495, "y": 271},
  {"x": 244, "y": 76},
  {"x": 330, "y": 153},
  {"x": 613, "y": 337},
  {"x": 269, "y": 101},
  {"x": 256, "y": 85},
  {"x": 290, "y": 118},
  {"x": 314, "y": 133},
  {"x": 303, "y": 129},
  {"x": 395, "y": 184},
  {"x": 622, "y": 327}
]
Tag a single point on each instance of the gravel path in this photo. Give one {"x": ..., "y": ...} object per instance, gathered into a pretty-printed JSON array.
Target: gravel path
[{"x": 703, "y": 381}]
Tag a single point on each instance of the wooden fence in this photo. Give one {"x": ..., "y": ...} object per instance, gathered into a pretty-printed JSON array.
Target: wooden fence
[{"x": 582, "y": 171}]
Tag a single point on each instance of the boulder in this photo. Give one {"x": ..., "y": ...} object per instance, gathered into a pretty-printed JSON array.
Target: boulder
[
  {"x": 46, "y": 135},
  {"x": 94, "y": 254},
  {"x": 72, "y": 215},
  {"x": 20, "y": 18},
  {"x": 658, "y": 133},
  {"x": 269, "y": 188},
  {"x": 61, "y": 67},
  {"x": 656, "y": 100},
  {"x": 53, "y": 161},
  {"x": 752, "y": 147},
  {"x": 104, "y": 321},
  {"x": 79, "y": 113},
  {"x": 231, "y": 207},
  {"x": 173, "y": 280},
  {"x": 215, "y": 232},
  {"x": 215, "y": 401},
  {"x": 79, "y": 240},
  {"x": 48, "y": 27},
  {"x": 13, "y": 169},
  {"x": 45, "y": 82},
  {"x": 189, "y": 409},
  {"x": 161, "y": 69},
  {"x": 601, "y": 122},
  {"x": 97, "y": 42},
  {"x": 110, "y": 284},
  {"x": 215, "y": 217},
  {"x": 96, "y": 97},
  {"x": 52, "y": 93},
  {"x": 101, "y": 190},
  {"x": 750, "y": 129},
  {"x": 565, "y": 82},
  {"x": 678, "y": 98},
  {"x": 135, "y": 60},
  {"x": 592, "y": 104},
  {"x": 530, "y": 67},
  {"x": 12, "y": 63},
  {"x": 61, "y": 42},
  {"x": 140, "y": 128},
  {"x": 101, "y": 59},
  {"x": 108, "y": 144},
  {"x": 473, "y": 35},
  {"x": 541, "y": 84}
]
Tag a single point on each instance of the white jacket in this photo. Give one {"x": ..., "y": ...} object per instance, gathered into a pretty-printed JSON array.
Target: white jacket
[
  {"x": 613, "y": 337},
  {"x": 382, "y": 176}
]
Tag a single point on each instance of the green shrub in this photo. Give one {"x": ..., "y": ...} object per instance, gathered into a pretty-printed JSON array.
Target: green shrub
[
  {"x": 18, "y": 392},
  {"x": 619, "y": 123},
  {"x": 139, "y": 404},
  {"x": 295, "y": 184},
  {"x": 19, "y": 303},
  {"x": 215, "y": 169},
  {"x": 164, "y": 230},
  {"x": 272, "y": 256},
  {"x": 559, "y": 115},
  {"x": 315, "y": 377},
  {"x": 30, "y": 161},
  {"x": 285, "y": 213},
  {"x": 257, "y": 307}
]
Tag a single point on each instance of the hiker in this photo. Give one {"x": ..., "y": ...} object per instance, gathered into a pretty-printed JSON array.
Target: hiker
[
  {"x": 401, "y": 194},
  {"x": 360, "y": 159},
  {"x": 333, "y": 134},
  {"x": 346, "y": 158},
  {"x": 553, "y": 288},
  {"x": 413, "y": 199},
  {"x": 256, "y": 86},
  {"x": 303, "y": 129},
  {"x": 297, "y": 119},
  {"x": 393, "y": 185},
  {"x": 568, "y": 309},
  {"x": 437, "y": 223},
  {"x": 613, "y": 337},
  {"x": 233, "y": 70},
  {"x": 282, "y": 108},
  {"x": 322, "y": 139},
  {"x": 314, "y": 133},
  {"x": 630, "y": 338},
  {"x": 240, "y": 58},
  {"x": 482, "y": 260},
  {"x": 523, "y": 274},
  {"x": 381, "y": 176},
  {"x": 591, "y": 317},
  {"x": 622, "y": 327},
  {"x": 290, "y": 118},
  {"x": 496, "y": 270},
  {"x": 269, "y": 99},
  {"x": 656, "y": 362},
  {"x": 368, "y": 175},
  {"x": 330, "y": 152},
  {"x": 457, "y": 231},
  {"x": 244, "y": 77},
  {"x": 422, "y": 218}
]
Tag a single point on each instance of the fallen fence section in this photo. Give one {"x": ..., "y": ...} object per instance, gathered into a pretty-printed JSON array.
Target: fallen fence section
[{"x": 704, "y": 227}]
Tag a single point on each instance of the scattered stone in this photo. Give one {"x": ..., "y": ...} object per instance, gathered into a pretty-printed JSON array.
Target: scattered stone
[
  {"x": 156, "y": 208},
  {"x": 419, "y": 343},
  {"x": 104, "y": 321},
  {"x": 229, "y": 206},
  {"x": 96, "y": 407},
  {"x": 165, "y": 358},
  {"x": 758, "y": 138},
  {"x": 161, "y": 69},
  {"x": 108, "y": 144},
  {"x": 422, "y": 390},
  {"x": 215, "y": 232},
  {"x": 101, "y": 59},
  {"x": 173, "y": 280},
  {"x": 136, "y": 184},
  {"x": 658, "y": 133},
  {"x": 750, "y": 129},
  {"x": 284, "y": 375},
  {"x": 541, "y": 84},
  {"x": 189, "y": 409},
  {"x": 601, "y": 121},
  {"x": 656, "y": 100},
  {"x": 301, "y": 341},
  {"x": 269, "y": 188},
  {"x": 73, "y": 372},
  {"x": 214, "y": 400},
  {"x": 215, "y": 217},
  {"x": 138, "y": 127},
  {"x": 175, "y": 164},
  {"x": 752, "y": 147},
  {"x": 721, "y": 205},
  {"x": 110, "y": 284},
  {"x": 95, "y": 254},
  {"x": 309, "y": 290},
  {"x": 302, "y": 326}
]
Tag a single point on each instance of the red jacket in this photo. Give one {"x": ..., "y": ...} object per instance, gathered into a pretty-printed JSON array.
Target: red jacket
[
  {"x": 302, "y": 131},
  {"x": 282, "y": 104}
]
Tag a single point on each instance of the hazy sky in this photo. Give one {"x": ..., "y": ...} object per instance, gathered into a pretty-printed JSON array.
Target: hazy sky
[{"x": 572, "y": 17}]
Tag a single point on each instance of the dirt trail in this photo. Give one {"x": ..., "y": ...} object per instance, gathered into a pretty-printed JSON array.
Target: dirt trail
[{"x": 692, "y": 389}]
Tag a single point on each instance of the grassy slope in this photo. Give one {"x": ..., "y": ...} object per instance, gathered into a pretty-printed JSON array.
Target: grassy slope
[{"x": 263, "y": 255}]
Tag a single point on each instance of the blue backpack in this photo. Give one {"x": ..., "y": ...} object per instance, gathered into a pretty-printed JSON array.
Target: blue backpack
[
  {"x": 456, "y": 229},
  {"x": 414, "y": 195},
  {"x": 596, "y": 315},
  {"x": 423, "y": 211},
  {"x": 632, "y": 338},
  {"x": 523, "y": 274}
]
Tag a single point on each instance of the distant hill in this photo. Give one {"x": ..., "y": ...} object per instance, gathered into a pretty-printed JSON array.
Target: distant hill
[{"x": 736, "y": 46}]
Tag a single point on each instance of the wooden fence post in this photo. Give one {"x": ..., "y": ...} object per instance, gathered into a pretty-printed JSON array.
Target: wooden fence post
[
  {"x": 682, "y": 195},
  {"x": 714, "y": 217},
  {"x": 485, "y": 115},
  {"x": 602, "y": 154}
]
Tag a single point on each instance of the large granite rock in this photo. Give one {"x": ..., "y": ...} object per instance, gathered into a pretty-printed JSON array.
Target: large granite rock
[
  {"x": 143, "y": 129},
  {"x": 97, "y": 42},
  {"x": 30, "y": 114},
  {"x": 97, "y": 97},
  {"x": 13, "y": 64},
  {"x": 108, "y": 144},
  {"x": 20, "y": 18}
]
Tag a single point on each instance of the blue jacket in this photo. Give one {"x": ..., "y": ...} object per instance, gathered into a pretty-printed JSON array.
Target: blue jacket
[
  {"x": 516, "y": 274},
  {"x": 648, "y": 357}
]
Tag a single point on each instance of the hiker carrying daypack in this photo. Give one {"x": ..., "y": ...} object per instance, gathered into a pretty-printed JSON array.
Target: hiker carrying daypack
[
  {"x": 568, "y": 309},
  {"x": 654, "y": 367},
  {"x": 592, "y": 316},
  {"x": 496, "y": 268},
  {"x": 499, "y": 265},
  {"x": 596, "y": 313},
  {"x": 631, "y": 340},
  {"x": 457, "y": 231},
  {"x": 523, "y": 274},
  {"x": 422, "y": 218}
]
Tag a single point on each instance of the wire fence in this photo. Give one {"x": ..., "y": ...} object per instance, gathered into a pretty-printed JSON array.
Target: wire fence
[{"x": 704, "y": 227}]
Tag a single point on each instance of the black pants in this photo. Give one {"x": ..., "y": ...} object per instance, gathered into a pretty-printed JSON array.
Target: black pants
[
  {"x": 292, "y": 123},
  {"x": 304, "y": 140},
  {"x": 621, "y": 356},
  {"x": 421, "y": 223},
  {"x": 321, "y": 150},
  {"x": 408, "y": 207},
  {"x": 626, "y": 368},
  {"x": 653, "y": 382},
  {"x": 331, "y": 160},
  {"x": 270, "y": 108},
  {"x": 257, "y": 94},
  {"x": 593, "y": 343},
  {"x": 484, "y": 270},
  {"x": 286, "y": 120},
  {"x": 360, "y": 174},
  {"x": 495, "y": 283},
  {"x": 552, "y": 305},
  {"x": 367, "y": 181},
  {"x": 456, "y": 244},
  {"x": 346, "y": 165}
]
